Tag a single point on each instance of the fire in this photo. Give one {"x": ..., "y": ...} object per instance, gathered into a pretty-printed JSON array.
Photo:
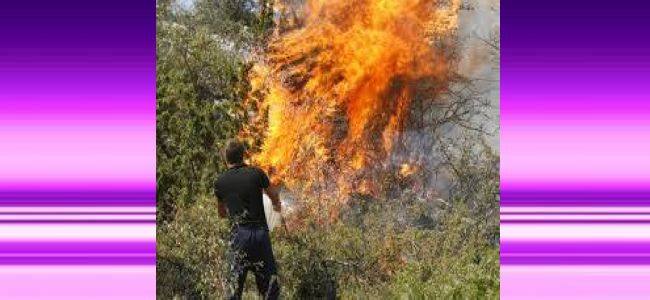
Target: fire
[
  {"x": 407, "y": 170},
  {"x": 333, "y": 95}
]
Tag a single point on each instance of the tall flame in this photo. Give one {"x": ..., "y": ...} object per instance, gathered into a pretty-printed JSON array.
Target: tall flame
[{"x": 333, "y": 95}]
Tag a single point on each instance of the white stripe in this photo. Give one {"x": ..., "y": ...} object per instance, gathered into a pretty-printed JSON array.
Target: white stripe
[
  {"x": 576, "y": 217},
  {"x": 64, "y": 255},
  {"x": 575, "y": 232},
  {"x": 72, "y": 269},
  {"x": 577, "y": 209},
  {"x": 80, "y": 209},
  {"x": 588, "y": 269},
  {"x": 77, "y": 232},
  {"x": 111, "y": 217}
]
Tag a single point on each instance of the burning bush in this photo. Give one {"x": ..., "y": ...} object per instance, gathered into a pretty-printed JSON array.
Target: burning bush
[{"x": 356, "y": 90}]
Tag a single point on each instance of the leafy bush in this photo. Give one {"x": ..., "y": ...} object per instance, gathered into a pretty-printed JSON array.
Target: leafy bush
[
  {"x": 383, "y": 256},
  {"x": 191, "y": 253},
  {"x": 200, "y": 86}
]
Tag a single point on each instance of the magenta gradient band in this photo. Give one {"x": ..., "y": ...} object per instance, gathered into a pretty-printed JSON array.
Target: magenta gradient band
[
  {"x": 77, "y": 150},
  {"x": 575, "y": 163}
]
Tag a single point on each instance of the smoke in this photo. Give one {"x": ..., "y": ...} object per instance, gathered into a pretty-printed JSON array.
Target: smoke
[{"x": 479, "y": 30}]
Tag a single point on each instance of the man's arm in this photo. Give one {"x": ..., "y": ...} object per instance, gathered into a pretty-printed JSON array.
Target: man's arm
[
  {"x": 270, "y": 189},
  {"x": 221, "y": 205},
  {"x": 223, "y": 212},
  {"x": 272, "y": 192}
]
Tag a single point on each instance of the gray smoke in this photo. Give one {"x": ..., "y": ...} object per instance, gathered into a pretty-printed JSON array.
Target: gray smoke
[{"x": 479, "y": 25}]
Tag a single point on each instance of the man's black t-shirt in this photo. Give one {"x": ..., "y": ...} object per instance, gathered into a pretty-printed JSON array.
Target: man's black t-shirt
[{"x": 240, "y": 188}]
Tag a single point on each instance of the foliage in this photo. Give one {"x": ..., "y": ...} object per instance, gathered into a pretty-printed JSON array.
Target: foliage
[
  {"x": 191, "y": 253},
  {"x": 384, "y": 250},
  {"x": 200, "y": 79},
  {"x": 454, "y": 260}
]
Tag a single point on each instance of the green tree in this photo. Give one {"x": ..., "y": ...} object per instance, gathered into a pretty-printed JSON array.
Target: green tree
[{"x": 201, "y": 82}]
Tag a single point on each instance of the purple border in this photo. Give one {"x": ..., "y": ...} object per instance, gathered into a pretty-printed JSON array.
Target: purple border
[
  {"x": 77, "y": 161},
  {"x": 575, "y": 118}
]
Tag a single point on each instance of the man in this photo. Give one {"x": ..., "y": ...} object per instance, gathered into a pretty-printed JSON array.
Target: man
[{"x": 239, "y": 194}]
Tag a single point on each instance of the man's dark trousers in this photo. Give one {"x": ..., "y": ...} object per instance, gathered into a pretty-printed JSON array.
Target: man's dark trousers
[{"x": 251, "y": 251}]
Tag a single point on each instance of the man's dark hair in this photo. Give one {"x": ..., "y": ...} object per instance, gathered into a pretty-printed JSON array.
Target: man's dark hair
[{"x": 234, "y": 151}]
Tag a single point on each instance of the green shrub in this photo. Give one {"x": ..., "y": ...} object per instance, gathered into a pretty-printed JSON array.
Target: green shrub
[
  {"x": 457, "y": 259},
  {"x": 191, "y": 253}
]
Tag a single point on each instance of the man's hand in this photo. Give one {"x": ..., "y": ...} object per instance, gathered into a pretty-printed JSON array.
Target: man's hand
[
  {"x": 223, "y": 212},
  {"x": 272, "y": 192},
  {"x": 277, "y": 206}
]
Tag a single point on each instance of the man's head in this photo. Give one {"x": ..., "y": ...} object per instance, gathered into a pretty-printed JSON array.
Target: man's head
[{"x": 234, "y": 152}]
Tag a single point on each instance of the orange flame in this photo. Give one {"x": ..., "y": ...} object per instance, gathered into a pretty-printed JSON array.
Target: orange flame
[
  {"x": 407, "y": 170},
  {"x": 333, "y": 95}
]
